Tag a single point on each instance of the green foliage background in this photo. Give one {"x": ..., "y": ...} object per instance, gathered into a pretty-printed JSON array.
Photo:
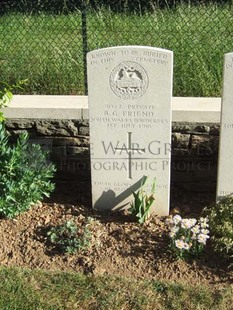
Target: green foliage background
[
  {"x": 136, "y": 6},
  {"x": 221, "y": 227},
  {"x": 47, "y": 41},
  {"x": 25, "y": 174}
]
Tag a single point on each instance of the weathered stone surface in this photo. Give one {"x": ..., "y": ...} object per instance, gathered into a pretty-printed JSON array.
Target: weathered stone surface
[
  {"x": 181, "y": 149},
  {"x": 182, "y": 127},
  {"x": 14, "y": 134},
  {"x": 214, "y": 130},
  {"x": 195, "y": 128},
  {"x": 129, "y": 93},
  {"x": 204, "y": 145},
  {"x": 202, "y": 128},
  {"x": 84, "y": 122},
  {"x": 180, "y": 140},
  {"x": 19, "y": 123},
  {"x": 225, "y": 171},
  {"x": 84, "y": 131},
  {"x": 71, "y": 141},
  {"x": 57, "y": 128}
]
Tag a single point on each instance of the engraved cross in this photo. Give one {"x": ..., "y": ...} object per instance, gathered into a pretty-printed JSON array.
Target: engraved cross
[{"x": 130, "y": 149}]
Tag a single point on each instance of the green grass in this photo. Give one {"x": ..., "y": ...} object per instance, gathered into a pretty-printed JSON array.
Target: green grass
[
  {"x": 47, "y": 49},
  {"x": 28, "y": 290}
]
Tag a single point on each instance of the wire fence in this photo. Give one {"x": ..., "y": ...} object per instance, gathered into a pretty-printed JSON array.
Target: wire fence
[{"x": 46, "y": 41}]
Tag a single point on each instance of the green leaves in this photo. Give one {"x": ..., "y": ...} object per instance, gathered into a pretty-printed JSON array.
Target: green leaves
[
  {"x": 221, "y": 227},
  {"x": 141, "y": 206},
  {"x": 67, "y": 238},
  {"x": 6, "y": 94},
  {"x": 24, "y": 170},
  {"x": 5, "y": 97},
  {"x": 25, "y": 174}
]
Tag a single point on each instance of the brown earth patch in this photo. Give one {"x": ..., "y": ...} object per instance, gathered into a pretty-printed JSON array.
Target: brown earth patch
[{"x": 119, "y": 246}]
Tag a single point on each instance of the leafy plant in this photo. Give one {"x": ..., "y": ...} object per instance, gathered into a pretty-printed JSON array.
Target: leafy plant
[
  {"x": 188, "y": 236},
  {"x": 141, "y": 206},
  {"x": 5, "y": 98},
  {"x": 221, "y": 227},
  {"x": 67, "y": 238},
  {"x": 6, "y": 94},
  {"x": 25, "y": 174}
]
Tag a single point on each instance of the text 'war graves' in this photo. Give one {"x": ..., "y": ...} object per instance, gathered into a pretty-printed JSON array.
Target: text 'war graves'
[{"x": 129, "y": 95}]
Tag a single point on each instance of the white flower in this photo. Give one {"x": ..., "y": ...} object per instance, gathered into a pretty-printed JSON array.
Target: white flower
[
  {"x": 193, "y": 222},
  {"x": 205, "y": 231},
  {"x": 194, "y": 236},
  {"x": 195, "y": 229},
  {"x": 169, "y": 222},
  {"x": 179, "y": 244},
  {"x": 173, "y": 231},
  {"x": 172, "y": 234},
  {"x": 204, "y": 222},
  {"x": 204, "y": 219},
  {"x": 187, "y": 246},
  {"x": 202, "y": 238},
  {"x": 177, "y": 219},
  {"x": 187, "y": 223}
]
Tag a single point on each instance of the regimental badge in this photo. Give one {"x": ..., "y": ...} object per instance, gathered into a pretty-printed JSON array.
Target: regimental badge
[{"x": 128, "y": 80}]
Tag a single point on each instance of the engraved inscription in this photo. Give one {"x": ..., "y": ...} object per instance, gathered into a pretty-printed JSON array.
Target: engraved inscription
[
  {"x": 228, "y": 125},
  {"x": 129, "y": 150},
  {"x": 128, "y": 80}
]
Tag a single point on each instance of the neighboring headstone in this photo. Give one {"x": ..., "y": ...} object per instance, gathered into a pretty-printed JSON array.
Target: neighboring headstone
[
  {"x": 129, "y": 94},
  {"x": 225, "y": 157}
]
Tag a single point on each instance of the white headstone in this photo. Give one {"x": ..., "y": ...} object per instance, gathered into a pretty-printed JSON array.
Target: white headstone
[
  {"x": 129, "y": 95},
  {"x": 225, "y": 157}
]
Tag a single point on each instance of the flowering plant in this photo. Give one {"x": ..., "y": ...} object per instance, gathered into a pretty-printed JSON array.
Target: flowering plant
[{"x": 188, "y": 236}]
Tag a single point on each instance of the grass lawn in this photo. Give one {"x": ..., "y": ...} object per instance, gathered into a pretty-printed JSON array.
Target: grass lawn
[
  {"x": 28, "y": 290},
  {"x": 47, "y": 49}
]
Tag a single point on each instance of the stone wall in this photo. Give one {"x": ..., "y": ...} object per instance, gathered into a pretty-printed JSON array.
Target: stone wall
[
  {"x": 194, "y": 149},
  {"x": 195, "y": 155}
]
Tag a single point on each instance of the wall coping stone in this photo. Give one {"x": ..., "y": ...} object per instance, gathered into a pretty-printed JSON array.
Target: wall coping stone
[{"x": 184, "y": 109}]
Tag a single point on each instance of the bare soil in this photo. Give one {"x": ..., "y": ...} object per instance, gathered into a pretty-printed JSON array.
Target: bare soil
[{"x": 118, "y": 245}]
